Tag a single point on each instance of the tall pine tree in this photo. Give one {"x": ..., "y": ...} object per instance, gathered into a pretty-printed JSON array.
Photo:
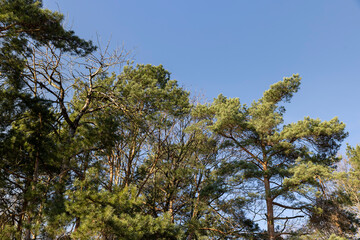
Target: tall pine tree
[{"x": 279, "y": 162}]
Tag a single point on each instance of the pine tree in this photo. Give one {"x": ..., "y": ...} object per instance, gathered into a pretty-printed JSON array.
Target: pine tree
[
  {"x": 114, "y": 140},
  {"x": 283, "y": 161},
  {"x": 27, "y": 139}
]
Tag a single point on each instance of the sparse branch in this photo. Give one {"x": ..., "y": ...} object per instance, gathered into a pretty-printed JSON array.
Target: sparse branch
[
  {"x": 288, "y": 207},
  {"x": 288, "y": 218}
]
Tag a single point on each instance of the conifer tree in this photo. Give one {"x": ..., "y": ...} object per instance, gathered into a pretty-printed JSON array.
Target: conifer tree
[
  {"x": 116, "y": 142},
  {"x": 283, "y": 161},
  {"x": 187, "y": 184},
  {"x": 28, "y": 158},
  {"x": 86, "y": 154}
]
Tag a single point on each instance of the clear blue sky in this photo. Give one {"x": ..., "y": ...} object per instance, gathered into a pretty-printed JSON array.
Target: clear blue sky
[{"x": 240, "y": 47}]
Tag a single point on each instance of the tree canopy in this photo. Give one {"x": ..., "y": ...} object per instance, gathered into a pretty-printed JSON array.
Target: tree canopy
[{"x": 87, "y": 153}]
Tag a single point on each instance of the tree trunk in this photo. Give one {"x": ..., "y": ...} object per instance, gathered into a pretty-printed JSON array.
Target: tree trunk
[
  {"x": 24, "y": 210},
  {"x": 171, "y": 210},
  {"x": 269, "y": 209},
  {"x": 27, "y": 231}
]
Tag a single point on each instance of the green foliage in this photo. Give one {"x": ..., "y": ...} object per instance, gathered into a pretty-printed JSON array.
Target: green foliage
[
  {"x": 22, "y": 20},
  {"x": 288, "y": 159},
  {"x": 117, "y": 213},
  {"x": 334, "y": 237},
  {"x": 317, "y": 236},
  {"x": 29, "y": 156},
  {"x": 329, "y": 217},
  {"x": 343, "y": 218},
  {"x": 130, "y": 158}
]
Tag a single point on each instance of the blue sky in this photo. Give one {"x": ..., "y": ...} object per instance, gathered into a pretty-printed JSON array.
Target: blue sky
[{"x": 240, "y": 47}]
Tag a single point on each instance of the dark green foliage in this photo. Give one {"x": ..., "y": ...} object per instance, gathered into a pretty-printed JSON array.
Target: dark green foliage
[
  {"x": 126, "y": 156},
  {"x": 24, "y": 20},
  {"x": 329, "y": 217},
  {"x": 285, "y": 159},
  {"x": 29, "y": 159},
  {"x": 115, "y": 214}
]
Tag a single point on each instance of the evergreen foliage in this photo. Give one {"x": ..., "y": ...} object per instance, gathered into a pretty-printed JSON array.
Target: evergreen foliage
[
  {"x": 90, "y": 154},
  {"x": 287, "y": 161}
]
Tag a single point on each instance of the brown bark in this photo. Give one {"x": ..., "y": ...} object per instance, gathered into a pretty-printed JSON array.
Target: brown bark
[
  {"x": 171, "y": 210},
  {"x": 269, "y": 209}
]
